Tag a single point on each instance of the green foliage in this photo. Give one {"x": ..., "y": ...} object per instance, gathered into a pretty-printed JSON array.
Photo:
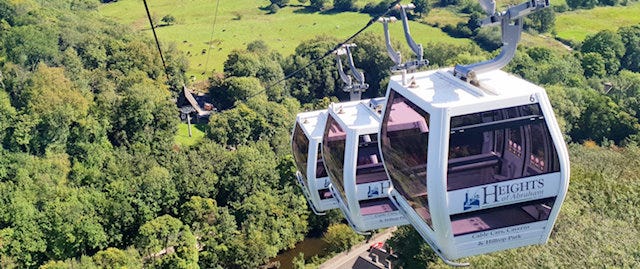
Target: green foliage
[
  {"x": 318, "y": 4},
  {"x": 236, "y": 89},
  {"x": 298, "y": 261},
  {"x": 237, "y": 126},
  {"x": 248, "y": 169},
  {"x": 158, "y": 234},
  {"x": 168, "y": 19},
  {"x": 318, "y": 224},
  {"x": 587, "y": 4},
  {"x": 410, "y": 247},
  {"x": 443, "y": 55},
  {"x": 488, "y": 38},
  {"x": 253, "y": 63},
  {"x": 344, "y": 5},
  {"x": 542, "y": 21},
  {"x": 279, "y": 3},
  {"x": 422, "y": 7},
  {"x": 88, "y": 165},
  {"x": 609, "y": 45},
  {"x": 626, "y": 90},
  {"x": 593, "y": 65},
  {"x": 341, "y": 237},
  {"x": 113, "y": 258},
  {"x": 280, "y": 215},
  {"x": 631, "y": 39},
  {"x": 30, "y": 44},
  {"x": 370, "y": 55},
  {"x": 7, "y": 116},
  {"x": 273, "y": 9},
  {"x": 318, "y": 80}
]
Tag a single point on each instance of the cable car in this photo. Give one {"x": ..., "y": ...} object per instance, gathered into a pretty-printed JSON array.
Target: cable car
[
  {"x": 475, "y": 155},
  {"x": 352, "y": 158},
  {"x": 311, "y": 175}
]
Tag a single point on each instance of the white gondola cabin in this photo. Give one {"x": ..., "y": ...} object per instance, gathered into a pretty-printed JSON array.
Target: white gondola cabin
[
  {"x": 352, "y": 158},
  {"x": 475, "y": 169},
  {"x": 312, "y": 177}
]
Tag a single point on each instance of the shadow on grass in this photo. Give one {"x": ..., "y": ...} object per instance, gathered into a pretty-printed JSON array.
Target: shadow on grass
[
  {"x": 202, "y": 127},
  {"x": 305, "y": 10}
]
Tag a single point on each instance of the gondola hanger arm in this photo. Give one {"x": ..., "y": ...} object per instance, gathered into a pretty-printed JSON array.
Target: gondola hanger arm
[{"x": 511, "y": 25}]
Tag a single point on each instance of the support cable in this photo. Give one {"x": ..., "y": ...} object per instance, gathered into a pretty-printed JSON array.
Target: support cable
[
  {"x": 155, "y": 36},
  {"x": 213, "y": 29}
]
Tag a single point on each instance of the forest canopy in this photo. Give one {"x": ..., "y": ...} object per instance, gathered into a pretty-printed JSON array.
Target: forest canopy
[{"x": 91, "y": 175}]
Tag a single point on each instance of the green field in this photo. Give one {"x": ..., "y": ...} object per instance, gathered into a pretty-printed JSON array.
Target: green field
[
  {"x": 239, "y": 22},
  {"x": 576, "y": 25},
  {"x": 197, "y": 133}
]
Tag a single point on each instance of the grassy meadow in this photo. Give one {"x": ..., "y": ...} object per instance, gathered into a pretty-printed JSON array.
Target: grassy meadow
[
  {"x": 239, "y": 22},
  {"x": 243, "y": 21},
  {"x": 577, "y": 25},
  {"x": 197, "y": 133}
]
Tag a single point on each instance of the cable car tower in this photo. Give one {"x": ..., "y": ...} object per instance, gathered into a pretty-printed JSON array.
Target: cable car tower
[{"x": 475, "y": 155}]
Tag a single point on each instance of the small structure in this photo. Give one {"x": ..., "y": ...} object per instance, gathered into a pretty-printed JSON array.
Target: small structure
[{"x": 195, "y": 106}]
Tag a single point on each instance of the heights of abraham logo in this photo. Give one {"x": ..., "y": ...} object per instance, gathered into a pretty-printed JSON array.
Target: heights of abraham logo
[{"x": 471, "y": 203}]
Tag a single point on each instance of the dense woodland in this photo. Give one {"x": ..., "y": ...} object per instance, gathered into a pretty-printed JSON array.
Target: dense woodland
[{"x": 91, "y": 176}]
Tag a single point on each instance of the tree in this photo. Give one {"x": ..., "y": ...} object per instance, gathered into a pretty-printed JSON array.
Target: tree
[
  {"x": 317, "y": 80},
  {"x": 273, "y": 9},
  {"x": 199, "y": 212},
  {"x": 298, "y": 261},
  {"x": 612, "y": 122},
  {"x": 237, "y": 126},
  {"x": 609, "y": 45},
  {"x": 241, "y": 64},
  {"x": 113, "y": 258},
  {"x": 258, "y": 61},
  {"x": 543, "y": 21},
  {"x": 411, "y": 249},
  {"x": 370, "y": 55},
  {"x": 422, "y": 7},
  {"x": 168, "y": 19},
  {"x": 158, "y": 235},
  {"x": 341, "y": 237},
  {"x": 30, "y": 44},
  {"x": 144, "y": 115},
  {"x": 248, "y": 170},
  {"x": 488, "y": 38},
  {"x": 567, "y": 105},
  {"x": 318, "y": 4},
  {"x": 625, "y": 91},
  {"x": 280, "y": 215},
  {"x": 566, "y": 71},
  {"x": 631, "y": 39},
  {"x": 7, "y": 114},
  {"x": 236, "y": 89},
  {"x": 593, "y": 65},
  {"x": 279, "y": 3},
  {"x": 54, "y": 104},
  {"x": 344, "y": 5}
]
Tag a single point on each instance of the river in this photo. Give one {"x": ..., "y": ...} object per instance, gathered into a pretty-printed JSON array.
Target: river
[{"x": 309, "y": 246}]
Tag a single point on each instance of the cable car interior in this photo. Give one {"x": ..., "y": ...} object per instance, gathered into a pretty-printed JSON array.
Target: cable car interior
[
  {"x": 353, "y": 161},
  {"x": 311, "y": 175},
  {"x": 475, "y": 155}
]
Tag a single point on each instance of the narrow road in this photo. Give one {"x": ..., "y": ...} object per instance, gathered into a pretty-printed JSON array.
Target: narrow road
[{"x": 345, "y": 259}]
